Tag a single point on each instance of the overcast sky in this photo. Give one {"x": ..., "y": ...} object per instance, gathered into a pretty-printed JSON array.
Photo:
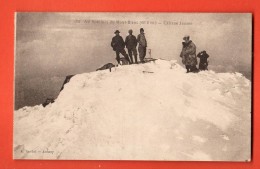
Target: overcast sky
[{"x": 58, "y": 44}]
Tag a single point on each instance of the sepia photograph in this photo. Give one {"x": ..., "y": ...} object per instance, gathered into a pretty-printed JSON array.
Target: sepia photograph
[{"x": 133, "y": 86}]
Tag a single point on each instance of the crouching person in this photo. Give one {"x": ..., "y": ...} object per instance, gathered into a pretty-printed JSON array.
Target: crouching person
[{"x": 203, "y": 65}]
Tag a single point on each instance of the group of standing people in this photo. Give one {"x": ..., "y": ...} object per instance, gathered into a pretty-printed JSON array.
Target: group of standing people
[
  {"x": 118, "y": 45},
  {"x": 189, "y": 57},
  {"x": 188, "y": 53}
]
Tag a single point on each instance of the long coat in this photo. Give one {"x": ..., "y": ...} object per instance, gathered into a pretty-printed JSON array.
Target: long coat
[
  {"x": 188, "y": 54},
  {"x": 117, "y": 43}
]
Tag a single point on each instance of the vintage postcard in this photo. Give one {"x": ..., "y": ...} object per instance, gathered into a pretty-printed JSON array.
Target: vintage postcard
[{"x": 133, "y": 86}]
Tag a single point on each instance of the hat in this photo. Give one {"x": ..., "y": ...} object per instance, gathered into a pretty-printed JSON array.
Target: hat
[
  {"x": 186, "y": 37},
  {"x": 142, "y": 29},
  {"x": 117, "y": 31},
  {"x": 130, "y": 31}
]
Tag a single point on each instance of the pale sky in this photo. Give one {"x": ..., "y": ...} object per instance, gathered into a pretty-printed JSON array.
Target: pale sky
[{"x": 50, "y": 45}]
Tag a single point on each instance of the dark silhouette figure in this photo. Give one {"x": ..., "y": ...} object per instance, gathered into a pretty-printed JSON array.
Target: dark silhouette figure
[
  {"x": 131, "y": 43},
  {"x": 118, "y": 46},
  {"x": 203, "y": 65}
]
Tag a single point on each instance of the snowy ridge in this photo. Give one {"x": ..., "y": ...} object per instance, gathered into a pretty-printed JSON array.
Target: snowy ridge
[{"x": 152, "y": 111}]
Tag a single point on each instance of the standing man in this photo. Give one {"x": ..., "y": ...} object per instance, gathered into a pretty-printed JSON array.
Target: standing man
[
  {"x": 131, "y": 43},
  {"x": 188, "y": 54},
  {"x": 118, "y": 46},
  {"x": 142, "y": 45}
]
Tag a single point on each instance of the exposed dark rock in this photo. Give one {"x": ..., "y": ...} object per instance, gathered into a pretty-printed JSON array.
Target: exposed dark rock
[
  {"x": 106, "y": 66},
  {"x": 48, "y": 101}
]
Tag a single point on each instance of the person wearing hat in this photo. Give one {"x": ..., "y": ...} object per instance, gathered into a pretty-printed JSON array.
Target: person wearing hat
[
  {"x": 188, "y": 54},
  {"x": 142, "y": 45},
  {"x": 203, "y": 65},
  {"x": 131, "y": 43},
  {"x": 118, "y": 46}
]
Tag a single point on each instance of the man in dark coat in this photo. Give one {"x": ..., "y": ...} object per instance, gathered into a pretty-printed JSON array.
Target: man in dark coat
[
  {"x": 203, "y": 65},
  {"x": 188, "y": 55},
  {"x": 131, "y": 43},
  {"x": 142, "y": 45},
  {"x": 118, "y": 46}
]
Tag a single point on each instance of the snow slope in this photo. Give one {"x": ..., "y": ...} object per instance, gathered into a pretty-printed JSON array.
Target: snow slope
[{"x": 152, "y": 111}]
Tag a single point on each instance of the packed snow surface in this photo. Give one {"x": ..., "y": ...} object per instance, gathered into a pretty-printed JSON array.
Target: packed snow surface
[{"x": 152, "y": 111}]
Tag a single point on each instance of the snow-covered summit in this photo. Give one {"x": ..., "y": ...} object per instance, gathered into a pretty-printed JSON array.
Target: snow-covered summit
[{"x": 152, "y": 111}]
